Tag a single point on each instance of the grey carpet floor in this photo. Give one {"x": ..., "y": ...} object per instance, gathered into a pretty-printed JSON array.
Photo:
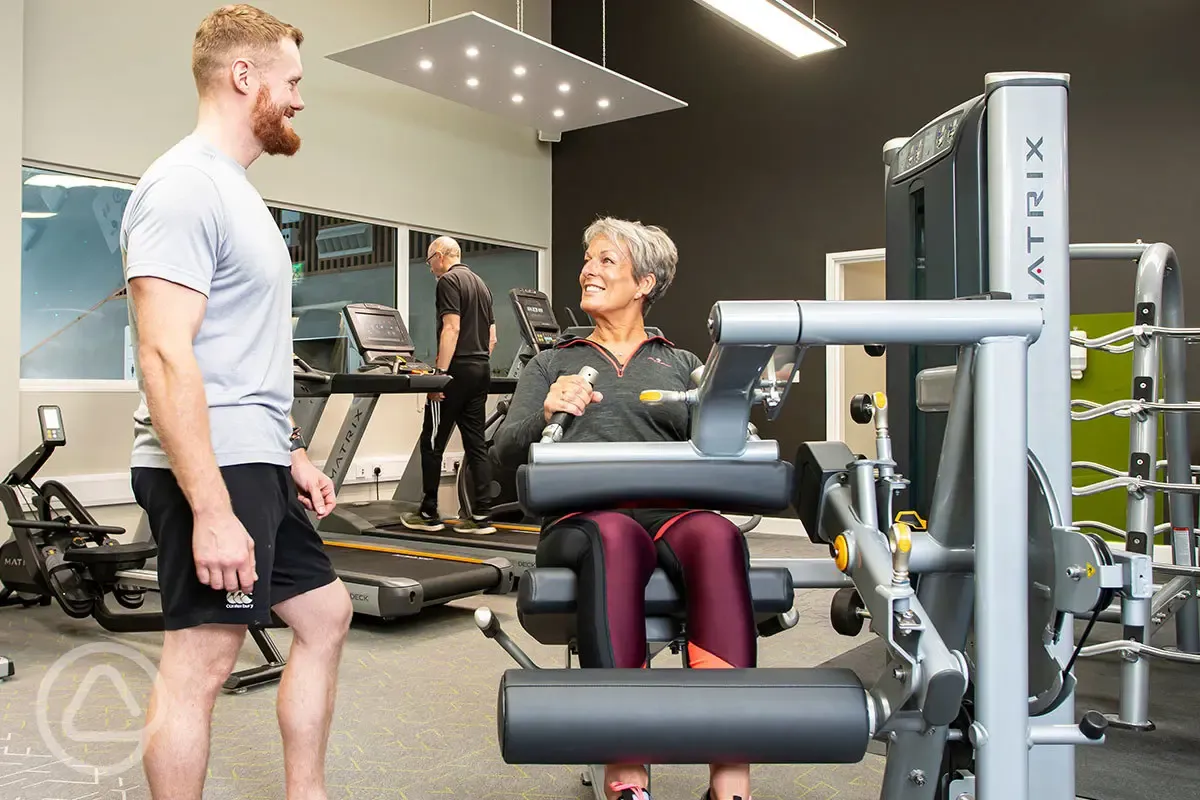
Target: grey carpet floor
[{"x": 415, "y": 719}]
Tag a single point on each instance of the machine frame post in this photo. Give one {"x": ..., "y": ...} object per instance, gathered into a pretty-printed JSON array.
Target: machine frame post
[{"x": 1029, "y": 257}]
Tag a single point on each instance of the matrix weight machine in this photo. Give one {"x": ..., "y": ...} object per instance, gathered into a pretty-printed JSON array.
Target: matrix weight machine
[{"x": 964, "y": 708}]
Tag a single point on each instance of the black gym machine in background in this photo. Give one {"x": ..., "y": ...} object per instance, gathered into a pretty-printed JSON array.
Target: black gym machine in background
[{"x": 67, "y": 557}]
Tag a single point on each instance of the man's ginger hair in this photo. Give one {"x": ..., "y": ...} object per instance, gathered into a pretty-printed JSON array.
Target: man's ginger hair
[{"x": 234, "y": 28}]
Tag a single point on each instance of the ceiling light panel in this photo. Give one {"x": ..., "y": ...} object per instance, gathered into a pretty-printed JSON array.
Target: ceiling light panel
[
  {"x": 778, "y": 23},
  {"x": 474, "y": 60}
]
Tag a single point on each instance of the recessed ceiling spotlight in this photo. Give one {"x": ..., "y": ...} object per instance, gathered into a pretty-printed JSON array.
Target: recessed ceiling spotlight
[
  {"x": 472, "y": 52},
  {"x": 472, "y": 82},
  {"x": 602, "y": 102},
  {"x": 516, "y": 98},
  {"x": 564, "y": 87},
  {"x": 558, "y": 112},
  {"x": 425, "y": 64},
  {"x": 519, "y": 71}
]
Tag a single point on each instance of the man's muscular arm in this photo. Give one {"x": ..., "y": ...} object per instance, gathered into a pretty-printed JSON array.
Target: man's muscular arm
[{"x": 168, "y": 316}]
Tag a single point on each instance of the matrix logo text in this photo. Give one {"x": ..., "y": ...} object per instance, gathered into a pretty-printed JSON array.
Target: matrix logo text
[{"x": 1034, "y": 195}]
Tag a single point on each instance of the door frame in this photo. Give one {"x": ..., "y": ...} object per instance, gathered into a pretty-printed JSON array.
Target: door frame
[{"x": 835, "y": 365}]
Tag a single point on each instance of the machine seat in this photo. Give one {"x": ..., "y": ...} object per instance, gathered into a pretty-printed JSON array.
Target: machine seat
[
  {"x": 546, "y": 602},
  {"x": 111, "y": 554}
]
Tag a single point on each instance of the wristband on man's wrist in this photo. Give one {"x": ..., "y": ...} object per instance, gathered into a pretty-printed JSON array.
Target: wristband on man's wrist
[{"x": 297, "y": 440}]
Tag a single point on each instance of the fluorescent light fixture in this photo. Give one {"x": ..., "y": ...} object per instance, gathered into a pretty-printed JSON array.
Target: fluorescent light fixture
[
  {"x": 425, "y": 64},
  {"x": 37, "y": 214},
  {"x": 777, "y": 23},
  {"x": 529, "y": 81}
]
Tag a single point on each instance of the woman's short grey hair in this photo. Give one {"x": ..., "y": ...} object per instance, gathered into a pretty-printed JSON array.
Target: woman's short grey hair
[{"x": 650, "y": 249}]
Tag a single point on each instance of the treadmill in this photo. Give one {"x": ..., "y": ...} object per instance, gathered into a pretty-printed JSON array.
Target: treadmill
[
  {"x": 515, "y": 543},
  {"x": 385, "y": 580}
]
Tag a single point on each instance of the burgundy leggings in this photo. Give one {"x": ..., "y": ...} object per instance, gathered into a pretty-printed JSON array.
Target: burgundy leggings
[{"x": 614, "y": 553}]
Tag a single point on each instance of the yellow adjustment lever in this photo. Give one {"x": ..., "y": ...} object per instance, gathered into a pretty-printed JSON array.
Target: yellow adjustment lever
[
  {"x": 903, "y": 537},
  {"x": 912, "y": 519},
  {"x": 880, "y": 400},
  {"x": 651, "y": 396}
]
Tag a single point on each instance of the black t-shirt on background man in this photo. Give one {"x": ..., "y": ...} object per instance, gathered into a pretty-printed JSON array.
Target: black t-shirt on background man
[{"x": 460, "y": 291}]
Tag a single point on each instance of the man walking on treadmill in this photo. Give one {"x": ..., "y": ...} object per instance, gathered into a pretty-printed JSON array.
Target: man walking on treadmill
[
  {"x": 217, "y": 465},
  {"x": 466, "y": 333}
]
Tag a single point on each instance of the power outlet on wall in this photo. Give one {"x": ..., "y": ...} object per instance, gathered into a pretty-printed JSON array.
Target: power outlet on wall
[{"x": 450, "y": 465}]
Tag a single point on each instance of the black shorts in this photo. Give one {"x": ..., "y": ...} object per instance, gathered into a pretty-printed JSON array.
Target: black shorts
[{"x": 288, "y": 552}]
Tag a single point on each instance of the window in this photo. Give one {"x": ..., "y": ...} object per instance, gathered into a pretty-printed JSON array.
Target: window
[
  {"x": 334, "y": 262},
  {"x": 74, "y": 318},
  {"x": 501, "y": 267}
]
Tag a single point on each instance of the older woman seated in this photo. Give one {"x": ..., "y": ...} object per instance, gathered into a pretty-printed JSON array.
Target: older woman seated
[{"x": 627, "y": 267}]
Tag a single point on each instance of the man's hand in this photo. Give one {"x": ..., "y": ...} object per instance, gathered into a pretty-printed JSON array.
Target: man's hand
[
  {"x": 224, "y": 552},
  {"x": 314, "y": 488},
  {"x": 436, "y": 397}
]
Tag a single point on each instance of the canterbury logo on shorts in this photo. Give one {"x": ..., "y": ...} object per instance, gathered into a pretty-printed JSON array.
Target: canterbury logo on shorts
[{"x": 238, "y": 600}]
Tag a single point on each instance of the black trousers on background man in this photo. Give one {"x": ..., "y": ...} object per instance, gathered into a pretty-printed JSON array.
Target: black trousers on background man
[{"x": 465, "y": 405}]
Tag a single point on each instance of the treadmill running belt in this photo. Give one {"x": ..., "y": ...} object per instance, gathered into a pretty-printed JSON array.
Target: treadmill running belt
[
  {"x": 508, "y": 540},
  {"x": 440, "y": 577}
]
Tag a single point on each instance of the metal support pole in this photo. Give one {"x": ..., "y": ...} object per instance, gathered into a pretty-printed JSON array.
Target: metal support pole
[{"x": 1001, "y": 730}]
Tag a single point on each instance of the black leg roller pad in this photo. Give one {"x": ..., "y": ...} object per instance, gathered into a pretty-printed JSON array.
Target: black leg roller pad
[{"x": 683, "y": 716}]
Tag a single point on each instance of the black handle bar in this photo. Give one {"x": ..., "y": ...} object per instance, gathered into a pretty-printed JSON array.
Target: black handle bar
[{"x": 59, "y": 525}]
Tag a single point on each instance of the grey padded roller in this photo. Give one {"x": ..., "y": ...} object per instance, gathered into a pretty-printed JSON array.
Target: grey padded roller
[
  {"x": 682, "y": 716},
  {"x": 734, "y": 487}
]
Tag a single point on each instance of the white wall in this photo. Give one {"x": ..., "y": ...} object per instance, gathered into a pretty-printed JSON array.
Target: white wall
[
  {"x": 107, "y": 86},
  {"x": 11, "y": 90}
]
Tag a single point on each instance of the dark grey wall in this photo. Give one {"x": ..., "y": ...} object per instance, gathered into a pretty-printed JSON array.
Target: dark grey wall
[{"x": 777, "y": 162}]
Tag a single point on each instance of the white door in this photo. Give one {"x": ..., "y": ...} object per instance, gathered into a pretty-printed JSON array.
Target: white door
[{"x": 861, "y": 373}]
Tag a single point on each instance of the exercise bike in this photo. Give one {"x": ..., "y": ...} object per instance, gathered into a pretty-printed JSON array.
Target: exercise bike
[{"x": 68, "y": 558}]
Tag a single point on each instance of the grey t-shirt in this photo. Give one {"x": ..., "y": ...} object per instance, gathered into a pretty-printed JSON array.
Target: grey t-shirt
[{"x": 195, "y": 219}]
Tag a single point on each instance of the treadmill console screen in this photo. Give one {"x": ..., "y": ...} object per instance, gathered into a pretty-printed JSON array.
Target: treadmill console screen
[
  {"x": 535, "y": 317},
  {"x": 537, "y": 311},
  {"x": 378, "y": 327}
]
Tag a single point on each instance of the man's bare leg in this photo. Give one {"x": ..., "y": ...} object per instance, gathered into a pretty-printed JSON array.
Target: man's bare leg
[
  {"x": 195, "y": 662},
  {"x": 319, "y": 620}
]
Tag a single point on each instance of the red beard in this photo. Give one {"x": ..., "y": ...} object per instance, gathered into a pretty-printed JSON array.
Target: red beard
[{"x": 270, "y": 129}]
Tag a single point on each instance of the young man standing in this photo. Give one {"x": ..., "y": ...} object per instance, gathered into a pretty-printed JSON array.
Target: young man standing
[
  {"x": 217, "y": 466},
  {"x": 466, "y": 332}
]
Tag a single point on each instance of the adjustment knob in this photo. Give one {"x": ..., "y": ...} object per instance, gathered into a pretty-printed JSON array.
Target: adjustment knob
[
  {"x": 875, "y": 350},
  {"x": 1093, "y": 725},
  {"x": 862, "y": 408}
]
